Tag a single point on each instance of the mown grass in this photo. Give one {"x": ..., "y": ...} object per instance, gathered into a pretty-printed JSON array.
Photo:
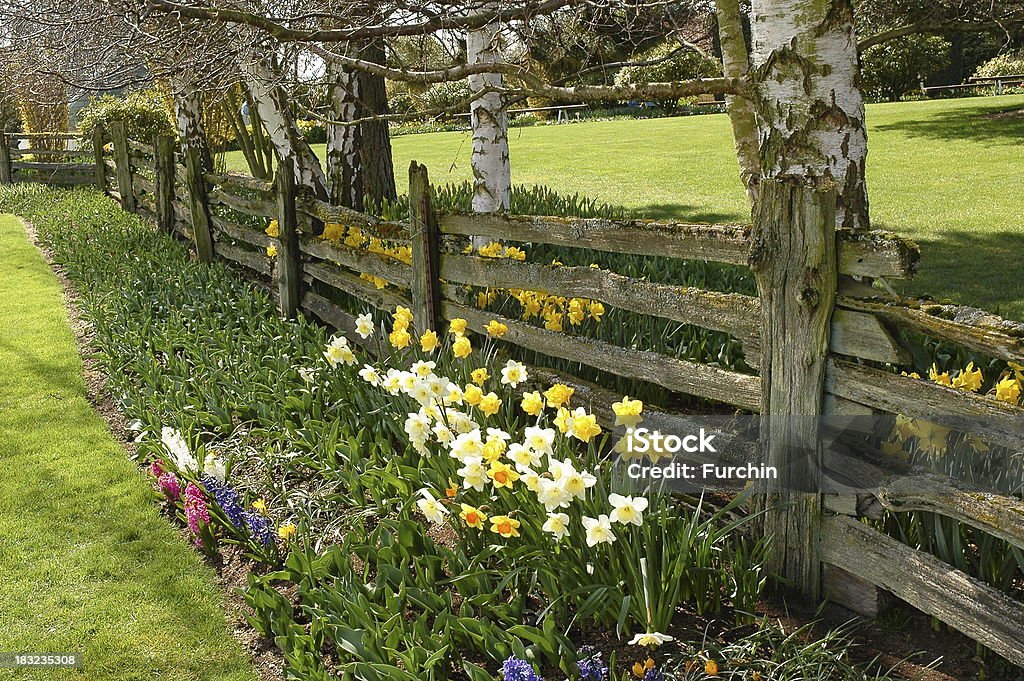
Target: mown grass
[
  {"x": 944, "y": 173},
  {"x": 89, "y": 565}
]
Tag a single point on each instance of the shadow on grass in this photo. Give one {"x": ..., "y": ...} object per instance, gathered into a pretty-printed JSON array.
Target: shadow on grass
[
  {"x": 685, "y": 213},
  {"x": 977, "y": 269},
  {"x": 995, "y": 124}
]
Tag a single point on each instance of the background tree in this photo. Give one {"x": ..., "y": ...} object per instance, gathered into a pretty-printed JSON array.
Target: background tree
[{"x": 893, "y": 68}]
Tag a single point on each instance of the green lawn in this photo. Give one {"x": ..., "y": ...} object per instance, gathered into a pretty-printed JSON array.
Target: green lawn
[
  {"x": 89, "y": 564},
  {"x": 939, "y": 172}
]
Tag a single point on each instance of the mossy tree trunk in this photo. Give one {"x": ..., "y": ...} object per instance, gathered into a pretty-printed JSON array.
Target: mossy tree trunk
[
  {"x": 344, "y": 165},
  {"x": 378, "y": 166},
  {"x": 742, "y": 117}
]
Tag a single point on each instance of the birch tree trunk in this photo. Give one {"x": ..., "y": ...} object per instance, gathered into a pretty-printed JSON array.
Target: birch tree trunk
[
  {"x": 344, "y": 165},
  {"x": 272, "y": 105},
  {"x": 810, "y": 110},
  {"x": 492, "y": 174},
  {"x": 736, "y": 64},
  {"x": 375, "y": 140},
  {"x": 188, "y": 115}
]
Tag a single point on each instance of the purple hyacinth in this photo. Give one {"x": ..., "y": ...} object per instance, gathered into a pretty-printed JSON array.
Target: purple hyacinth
[
  {"x": 259, "y": 528},
  {"x": 226, "y": 497},
  {"x": 592, "y": 667},
  {"x": 653, "y": 674},
  {"x": 514, "y": 669}
]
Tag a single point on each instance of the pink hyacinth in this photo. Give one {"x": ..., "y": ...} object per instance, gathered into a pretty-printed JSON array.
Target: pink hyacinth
[
  {"x": 157, "y": 468},
  {"x": 170, "y": 486},
  {"x": 195, "y": 508}
]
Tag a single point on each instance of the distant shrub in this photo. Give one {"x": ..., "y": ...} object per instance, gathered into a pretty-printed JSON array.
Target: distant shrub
[
  {"x": 145, "y": 113},
  {"x": 1006, "y": 64},
  {"x": 314, "y": 132},
  {"x": 895, "y": 67},
  {"x": 447, "y": 96}
]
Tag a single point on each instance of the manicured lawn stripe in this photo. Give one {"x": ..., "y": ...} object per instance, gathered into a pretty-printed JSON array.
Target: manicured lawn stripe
[{"x": 89, "y": 564}]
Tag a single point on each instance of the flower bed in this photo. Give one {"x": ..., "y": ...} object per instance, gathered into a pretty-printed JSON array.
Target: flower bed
[{"x": 423, "y": 511}]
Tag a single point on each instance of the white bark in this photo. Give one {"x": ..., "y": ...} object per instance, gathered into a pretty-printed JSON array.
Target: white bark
[
  {"x": 272, "y": 104},
  {"x": 344, "y": 168},
  {"x": 188, "y": 116},
  {"x": 492, "y": 174},
  {"x": 742, "y": 116},
  {"x": 811, "y": 114}
]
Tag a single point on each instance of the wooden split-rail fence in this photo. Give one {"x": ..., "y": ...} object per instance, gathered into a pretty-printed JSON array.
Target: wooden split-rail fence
[{"x": 828, "y": 340}]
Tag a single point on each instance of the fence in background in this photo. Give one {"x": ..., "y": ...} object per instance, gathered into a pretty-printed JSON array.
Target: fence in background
[{"x": 832, "y": 353}]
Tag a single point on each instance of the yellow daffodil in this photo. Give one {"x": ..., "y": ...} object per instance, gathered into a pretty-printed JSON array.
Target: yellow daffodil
[
  {"x": 462, "y": 348},
  {"x": 596, "y": 310},
  {"x": 480, "y": 376},
  {"x": 332, "y": 231},
  {"x": 554, "y": 322},
  {"x": 472, "y": 395},
  {"x": 494, "y": 448},
  {"x": 558, "y": 394},
  {"x": 429, "y": 341},
  {"x": 496, "y": 328},
  {"x": 491, "y": 250},
  {"x": 627, "y": 412},
  {"x": 532, "y": 403},
  {"x": 501, "y": 474},
  {"x": 451, "y": 490},
  {"x": 941, "y": 379},
  {"x": 272, "y": 251},
  {"x": 969, "y": 379},
  {"x": 490, "y": 404},
  {"x": 505, "y": 526},
  {"x": 515, "y": 253},
  {"x": 402, "y": 314},
  {"x": 399, "y": 338},
  {"x": 286, "y": 531},
  {"x": 273, "y": 230},
  {"x": 260, "y": 505},
  {"x": 932, "y": 438},
  {"x": 641, "y": 669},
  {"x": 711, "y": 668},
  {"x": 457, "y": 326},
  {"x": 473, "y": 517},
  {"x": 1008, "y": 390}
]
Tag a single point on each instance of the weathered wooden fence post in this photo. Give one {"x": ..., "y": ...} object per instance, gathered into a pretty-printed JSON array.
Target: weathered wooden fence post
[
  {"x": 163, "y": 160},
  {"x": 424, "y": 237},
  {"x": 5, "y": 159},
  {"x": 97, "y": 153},
  {"x": 199, "y": 203},
  {"x": 289, "y": 268},
  {"x": 793, "y": 256},
  {"x": 124, "y": 168}
]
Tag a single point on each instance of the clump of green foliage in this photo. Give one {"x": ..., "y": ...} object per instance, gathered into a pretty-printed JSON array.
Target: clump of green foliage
[
  {"x": 893, "y": 68},
  {"x": 1005, "y": 64},
  {"x": 666, "y": 63},
  {"x": 145, "y": 114}
]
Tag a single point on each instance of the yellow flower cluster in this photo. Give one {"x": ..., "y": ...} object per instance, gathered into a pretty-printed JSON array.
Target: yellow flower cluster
[
  {"x": 400, "y": 336},
  {"x": 933, "y": 439},
  {"x": 554, "y": 310},
  {"x": 353, "y": 237}
]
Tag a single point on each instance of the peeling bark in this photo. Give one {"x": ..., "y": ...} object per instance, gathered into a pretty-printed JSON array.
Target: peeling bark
[
  {"x": 809, "y": 106},
  {"x": 272, "y": 104},
  {"x": 344, "y": 165},
  {"x": 492, "y": 174},
  {"x": 188, "y": 115},
  {"x": 736, "y": 64}
]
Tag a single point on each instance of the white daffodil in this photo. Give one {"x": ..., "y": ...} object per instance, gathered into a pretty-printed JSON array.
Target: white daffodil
[
  {"x": 176, "y": 446},
  {"x": 540, "y": 440},
  {"x": 393, "y": 381},
  {"x": 523, "y": 457},
  {"x": 370, "y": 375},
  {"x": 599, "y": 530},
  {"x": 338, "y": 351},
  {"x": 417, "y": 427},
  {"x": 364, "y": 325},
  {"x": 650, "y": 639},
  {"x": 552, "y": 495},
  {"x": 431, "y": 508},
  {"x": 308, "y": 375},
  {"x": 513, "y": 374},
  {"x": 467, "y": 446},
  {"x": 557, "y": 524},
  {"x": 627, "y": 509},
  {"x": 454, "y": 395},
  {"x": 474, "y": 474},
  {"x": 215, "y": 467},
  {"x": 531, "y": 479},
  {"x": 423, "y": 369},
  {"x": 421, "y": 392}
]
